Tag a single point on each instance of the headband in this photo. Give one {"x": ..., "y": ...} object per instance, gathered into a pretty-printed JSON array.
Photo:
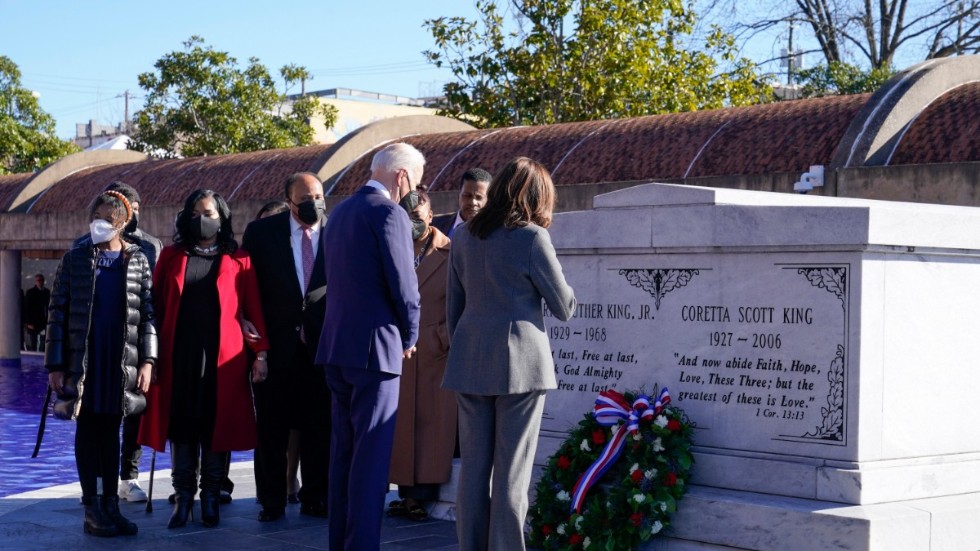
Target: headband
[{"x": 125, "y": 202}]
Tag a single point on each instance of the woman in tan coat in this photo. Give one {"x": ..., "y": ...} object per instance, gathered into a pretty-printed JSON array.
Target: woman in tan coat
[{"x": 425, "y": 427}]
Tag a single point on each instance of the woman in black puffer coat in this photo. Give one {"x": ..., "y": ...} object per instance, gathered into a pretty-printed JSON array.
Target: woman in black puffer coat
[{"x": 101, "y": 346}]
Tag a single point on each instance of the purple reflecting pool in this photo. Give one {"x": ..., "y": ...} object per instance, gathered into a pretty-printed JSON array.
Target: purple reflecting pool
[{"x": 22, "y": 391}]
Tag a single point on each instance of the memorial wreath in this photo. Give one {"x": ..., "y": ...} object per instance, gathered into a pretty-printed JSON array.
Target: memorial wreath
[{"x": 617, "y": 478}]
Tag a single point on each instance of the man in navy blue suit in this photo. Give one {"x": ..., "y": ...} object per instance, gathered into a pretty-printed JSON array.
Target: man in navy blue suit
[{"x": 371, "y": 324}]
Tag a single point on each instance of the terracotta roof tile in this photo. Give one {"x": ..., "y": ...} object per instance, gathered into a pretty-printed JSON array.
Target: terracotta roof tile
[
  {"x": 778, "y": 137},
  {"x": 947, "y": 131},
  {"x": 256, "y": 175},
  {"x": 786, "y": 136},
  {"x": 10, "y": 185}
]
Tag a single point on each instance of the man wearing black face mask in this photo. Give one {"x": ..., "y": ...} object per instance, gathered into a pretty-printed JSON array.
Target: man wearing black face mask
[
  {"x": 150, "y": 246},
  {"x": 284, "y": 249}
]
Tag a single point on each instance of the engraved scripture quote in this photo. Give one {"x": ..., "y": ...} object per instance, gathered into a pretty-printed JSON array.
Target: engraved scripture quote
[{"x": 737, "y": 343}]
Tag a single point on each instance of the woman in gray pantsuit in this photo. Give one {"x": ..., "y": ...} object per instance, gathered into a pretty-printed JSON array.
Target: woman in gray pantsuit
[{"x": 500, "y": 361}]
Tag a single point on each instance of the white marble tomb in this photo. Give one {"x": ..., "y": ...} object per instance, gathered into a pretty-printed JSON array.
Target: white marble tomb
[{"x": 826, "y": 348}]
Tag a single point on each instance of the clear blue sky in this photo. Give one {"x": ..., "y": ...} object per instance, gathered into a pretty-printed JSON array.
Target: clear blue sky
[{"x": 79, "y": 55}]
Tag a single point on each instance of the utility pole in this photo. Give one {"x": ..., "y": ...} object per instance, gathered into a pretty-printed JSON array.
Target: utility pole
[
  {"x": 790, "y": 57},
  {"x": 125, "y": 96}
]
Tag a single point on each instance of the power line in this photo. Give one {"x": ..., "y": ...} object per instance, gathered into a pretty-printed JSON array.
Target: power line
[{"x": 63, "y": 77}]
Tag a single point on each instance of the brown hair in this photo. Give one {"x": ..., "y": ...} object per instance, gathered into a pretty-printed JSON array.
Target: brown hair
[
  {"x": 423, "y": 192},
  {"x": 521, "y": 194}
]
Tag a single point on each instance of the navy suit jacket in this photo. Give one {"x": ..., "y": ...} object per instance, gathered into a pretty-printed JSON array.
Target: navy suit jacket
[
  {"x": 444, "y": 222},
  {"x": 372, "y": 291}
]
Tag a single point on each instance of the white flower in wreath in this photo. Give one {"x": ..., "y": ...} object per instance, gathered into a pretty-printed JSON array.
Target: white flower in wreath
[
  {"x": 657, "y": 445},
  {"x": 651, "y": 474},
  {"x": 660, "y": 421},
  {"x": 640, "y": 498},
  {"x": 637, "y": 436},
  {"x": 635, "y": 467},
  {"x": 586, "y": 542},
  {"x": 657, "y": 527},
  {"x": 585, "y": 446},
  {"x": 663, "y": 507},
  {"x": 563, "y": 496},
  {"x": 578, "y": 522},
  {"x": 561, "y": 529}
]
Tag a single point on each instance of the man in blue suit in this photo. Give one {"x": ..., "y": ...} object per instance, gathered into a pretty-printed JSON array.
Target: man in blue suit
[{"x": 371, "y": 324}]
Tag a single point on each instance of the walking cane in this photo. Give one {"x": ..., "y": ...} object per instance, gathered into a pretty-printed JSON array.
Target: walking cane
[
  {"x": 149, "y": 498},
  {"x": 40, "y": 428}
]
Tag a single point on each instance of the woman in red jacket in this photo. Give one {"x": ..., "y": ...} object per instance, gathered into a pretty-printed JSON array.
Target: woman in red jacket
[{"x": 203, "y": 288}]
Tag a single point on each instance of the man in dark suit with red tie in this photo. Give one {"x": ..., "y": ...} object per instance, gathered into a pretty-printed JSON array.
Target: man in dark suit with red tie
[
  {"x": 371, "y": 326},
  {"x": 472, "y": 196},
  {"x": 284, "y": 248}
]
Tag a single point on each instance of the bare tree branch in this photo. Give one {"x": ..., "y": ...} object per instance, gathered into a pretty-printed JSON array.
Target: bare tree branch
[{"x": 878, "y": 30}]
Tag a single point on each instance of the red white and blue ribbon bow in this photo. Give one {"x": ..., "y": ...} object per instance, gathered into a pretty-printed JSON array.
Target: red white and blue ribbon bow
[{"x": 611, "y": 408}]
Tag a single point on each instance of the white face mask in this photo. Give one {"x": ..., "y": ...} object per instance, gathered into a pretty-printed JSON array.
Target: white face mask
[{"x": 101, "y": 231}]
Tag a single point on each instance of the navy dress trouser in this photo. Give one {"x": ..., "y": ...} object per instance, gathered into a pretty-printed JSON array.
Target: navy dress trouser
[{"x": 364, "y": 404}]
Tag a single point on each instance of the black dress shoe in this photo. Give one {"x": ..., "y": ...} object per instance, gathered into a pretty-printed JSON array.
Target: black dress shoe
[
  {"x": 268, "y": 515},
  {"x": 313, "y": 510}
]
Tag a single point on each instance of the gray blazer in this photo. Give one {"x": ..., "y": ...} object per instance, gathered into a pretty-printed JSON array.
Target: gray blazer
[{"x": 498, "y": 341}]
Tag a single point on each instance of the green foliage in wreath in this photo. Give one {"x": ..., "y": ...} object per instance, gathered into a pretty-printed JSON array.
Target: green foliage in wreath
[{"x": 632, "y": 501}]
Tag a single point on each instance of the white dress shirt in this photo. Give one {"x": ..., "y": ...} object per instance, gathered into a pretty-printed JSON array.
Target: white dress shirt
[
  {"x": 458, "y": 221},
  {"x": 296, "y": 241},
  {"x": 378, "y": 185}
]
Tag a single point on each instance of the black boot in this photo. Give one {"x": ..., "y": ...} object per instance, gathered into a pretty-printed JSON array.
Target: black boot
[
  {"x": 209, "y": 509},
  {"x": 183, "y": 508},
  {"x": 96, "y": 521},
  {"x": 184, "y": 479},
  {"x": 212, "y": 473},
  {"x": 110, "y": 505}
]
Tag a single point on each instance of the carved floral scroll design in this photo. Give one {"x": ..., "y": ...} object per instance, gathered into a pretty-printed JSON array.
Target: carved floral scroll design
[
  {"x": 834, "y": 280},
  {"x": 658, "y": 282}
]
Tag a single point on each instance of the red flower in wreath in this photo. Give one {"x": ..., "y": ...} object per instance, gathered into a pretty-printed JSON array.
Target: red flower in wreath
[
  {"x": 564, "y": 463},
  {"x": 598, "y": 436},
  {"x": 637, "y": 476},
  {"x": 574, "y": 539},
  {"x": 674, "y": 424},
  {"x": 671, "y": 479},
  {"x": 636, "y": 519},
  {"x": 546, "y": 530}
]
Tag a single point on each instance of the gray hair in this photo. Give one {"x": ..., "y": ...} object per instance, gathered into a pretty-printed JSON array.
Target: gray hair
[{"x": 399, "y": 156}]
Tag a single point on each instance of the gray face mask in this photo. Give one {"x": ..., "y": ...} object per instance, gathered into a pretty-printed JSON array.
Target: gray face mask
[
  {"x": 409, "y": 203},
  {"x": 204, "y": 228}
]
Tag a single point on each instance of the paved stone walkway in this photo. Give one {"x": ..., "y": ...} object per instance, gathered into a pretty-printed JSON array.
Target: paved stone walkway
[
  {"x": 39, "y": 498},
  {"x": 52, "y": 519}
]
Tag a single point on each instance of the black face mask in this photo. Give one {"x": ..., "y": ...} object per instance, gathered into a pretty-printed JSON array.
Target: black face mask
[
  {"x": 133, "y": 223},
  {"x": 409, "y": 203},
  {"x": 203, "y": 228},
  {"x": 310, "y": 212}
]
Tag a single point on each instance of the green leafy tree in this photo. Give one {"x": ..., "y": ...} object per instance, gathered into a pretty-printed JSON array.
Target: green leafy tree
[
  {"x": 567, "y": 60},
  {"x": 200, "y": 102},
  {"x": 27, "y": 140},
  {"x": 838, "y": 78}
]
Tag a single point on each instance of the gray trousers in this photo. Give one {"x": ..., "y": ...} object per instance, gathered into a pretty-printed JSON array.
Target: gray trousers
[{"x": 498, "y": 436}]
